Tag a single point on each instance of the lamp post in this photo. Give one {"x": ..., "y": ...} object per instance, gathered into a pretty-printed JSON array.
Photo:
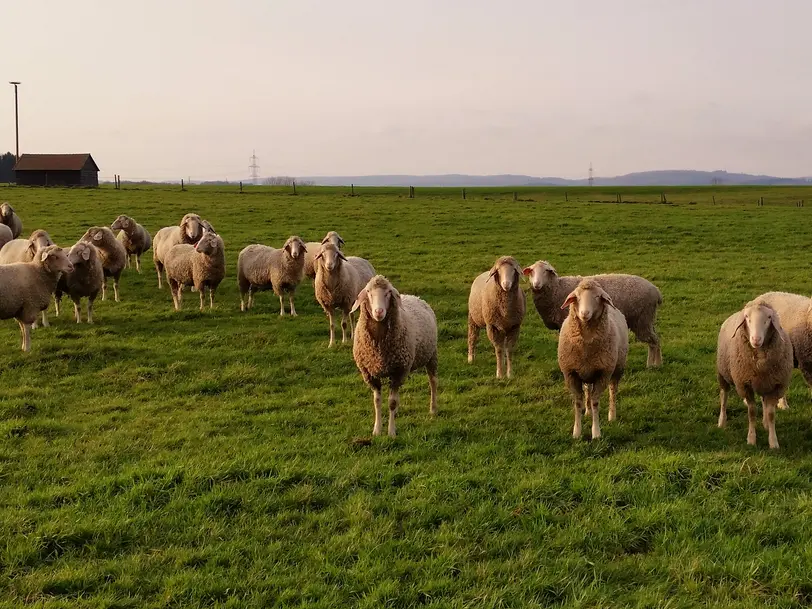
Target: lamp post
[{"x": 16, "y": 119}]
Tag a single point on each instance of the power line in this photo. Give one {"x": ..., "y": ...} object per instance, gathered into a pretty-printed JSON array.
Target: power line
[{"x": 254, "y": 167}]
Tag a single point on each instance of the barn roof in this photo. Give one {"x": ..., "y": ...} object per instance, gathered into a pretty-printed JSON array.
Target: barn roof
[{"x": 55, "y": 162}]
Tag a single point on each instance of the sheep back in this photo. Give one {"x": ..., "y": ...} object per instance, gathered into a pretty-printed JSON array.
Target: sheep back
[{"x": 5, "y": 235}]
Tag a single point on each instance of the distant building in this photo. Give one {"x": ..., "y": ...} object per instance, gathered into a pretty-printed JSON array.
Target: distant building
[{"x": 57, "y": 170}]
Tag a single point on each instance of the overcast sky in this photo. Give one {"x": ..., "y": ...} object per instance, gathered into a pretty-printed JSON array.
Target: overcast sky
[{"x": 173, "y": 88}]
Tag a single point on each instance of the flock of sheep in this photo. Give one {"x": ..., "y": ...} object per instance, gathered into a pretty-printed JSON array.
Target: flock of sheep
[{"x": 396, "y": 334}]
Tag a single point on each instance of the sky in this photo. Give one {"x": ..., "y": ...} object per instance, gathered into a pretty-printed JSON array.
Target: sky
[{"x": 165, "y": 89}]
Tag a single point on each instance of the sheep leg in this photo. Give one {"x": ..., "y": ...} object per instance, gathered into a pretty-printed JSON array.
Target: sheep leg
[
  {"x": 594, "y": 403},
  {"x": 613, "y": 398},
  {"x": 723, "y": 406},
  {"x": 202, "y": 291},
  {"x": 376, "y": 403},
  {"x": 782, "y": 403},
  {"x": 57, "y": 303},
  {"x": 352, "y": 337},
  {"x": 129, "y": 259},
  {"x": 343, "y": 327},
  {"x": 281, "y": 306},
  {"x": 394, "y": 402},
  {"x": 332, "y": 328},
  {"x": 104, "y": 289},
  {"x": 138, "y": 263},
  {"x": 498, "y": 340},
  {"x": 25, "y": 330},
  {"x": 751, "y": 420},
  {"x": 587, "y": 412},
  {"x": 77, "y": 314},
  {"x": 211, "y": 297},
  {"x": 576, "y": 388},
  {"x": 769, "y": 417},
  {"x": 90, "y": 310},
  {"x": 45, "y": 323},
  {"x": 510, "y": 344},
  {"x": 473, "y": 336},
  {"x": 158, "y": 270},
  {"x": 292, "y": 308},
  {"x": 431, "y": 369},
  {"x": 115, "y": 288}
]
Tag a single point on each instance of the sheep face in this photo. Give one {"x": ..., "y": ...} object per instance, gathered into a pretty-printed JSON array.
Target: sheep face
[
  {"x": 39, "y": 239},
  {"x": 378, "y": 296},
  {"x": 759, "y": 321},
  {"x": 295, "y": 247},
  {"x": 208, "y": 244},
  {"x": 94, "y": 235},
  {"x": 589, "y": 300},
  {"x": 334, "y": 238},
  {"x": 80, "y": 253},
  {"x": 121, "y": 223},
  {"x": 55, "y": 259},
  {"x": 540, "y": 273},
  {"x": 6, "y": 211},
  {"x": 192, "y": 227},
  {"x": 506, "y": 272},
  {"x": 207, "y": 226},
  {"x": 330, "y": 257}
]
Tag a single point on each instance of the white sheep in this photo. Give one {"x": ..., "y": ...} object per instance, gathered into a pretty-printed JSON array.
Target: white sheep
[
  {"x": 498, "y": 304},
  {"x": 134, "y": 237},
  {"x": 313, "y": 249},
  {"x": 10, "y": 218},
  {"x": 85, "y": 281},
  {"x": 188, "y": 231},
  {"x": 112, "y": 254},
  {"x": 23, "y": 250},
  {"x": 396, "y": 334},
  {"x": 202, "y": 265},
  {"x": 260, "y": 268},
  {"x": 592, "y": 349},
  {"x": 339, "y": 279},
  {"x": 26, "y": 287},
  {"x": 635, "y": 297},
  {"x": 754, "y": 355},
  {"x": 5, "y": 235}
]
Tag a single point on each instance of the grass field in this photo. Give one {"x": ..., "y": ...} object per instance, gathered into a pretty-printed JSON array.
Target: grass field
[{"x": 163, "y": 459}]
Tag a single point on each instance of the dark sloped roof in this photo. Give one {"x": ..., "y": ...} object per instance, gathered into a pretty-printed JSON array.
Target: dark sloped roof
[{"x": 55, "y": 162}]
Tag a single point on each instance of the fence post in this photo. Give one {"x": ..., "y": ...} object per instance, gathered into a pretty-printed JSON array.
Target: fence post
[
  {"x": 515, "y": 196},
  {"x": 294, "y": 186},
  {"x": 566, "y": 197},
  {"x": 714, "y": 199},
  {"x": 411, "y": 192},
  {"x": 182, "y": 186},
  {"x": 240, "y": 186},
  {"x": 352, "y": 190}
]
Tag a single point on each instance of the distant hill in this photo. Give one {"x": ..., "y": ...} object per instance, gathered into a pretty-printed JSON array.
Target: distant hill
[{"x": 644, "y": 178}]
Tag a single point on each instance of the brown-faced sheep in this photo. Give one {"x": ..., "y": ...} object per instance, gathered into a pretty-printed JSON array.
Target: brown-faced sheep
[
  {"x": 498, "y": 304},
  {"x": 396, "y": 334},
  {"x": 112, "y": 254},
  {"x": 313, "y": 249},
  {"x": 134, "y": 237},
  {"x": 592, "y": 349},
  {"x": 85, "y": 281},
  {"x": 754, "y": 355},
  {"x": 10, "y": 218},
  {"x": 635, "y": 297},
  {"x": 26, "y": 287},
  {"x": 339, "y": 279},
  {"x": 260, "y": 268},
  {"x": 202, "y": 265},
  {"x": 188, "y": 231}
]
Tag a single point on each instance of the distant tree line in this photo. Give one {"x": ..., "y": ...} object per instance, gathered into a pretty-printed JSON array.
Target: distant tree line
[
  {"x": 286, "y": 181},
  {"x": 7, "y": 167}
]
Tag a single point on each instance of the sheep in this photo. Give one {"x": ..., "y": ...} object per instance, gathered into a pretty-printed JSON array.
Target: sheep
[
  {"x": 112, "y": 253},
  {"x": 5, "y": 235},
  {"x": 23, "y": 250},
  {"x": 260, "y": 268},
  {"x": 313, "y": 249},
  {"x": 85, "y": 281},
  {"x": 26, "y": 287},
  {"x": 134, "y": 237},
  {"x": 498, "y": 304},
  {"x": 188, "y": 231},
  {"x": 635, "y": 297},
  {"x": 592, "y": 349},
  {"x": 339, "y": 279},
  {"x": 200, "y": 265},
  {"x": 795, "y": 312},
  {"x": 396, "y": 334},
  {"x": 11, "y": 219},
  {"x": 755, "y": 361}
]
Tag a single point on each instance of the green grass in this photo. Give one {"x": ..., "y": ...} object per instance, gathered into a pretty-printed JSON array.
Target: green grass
[{"x": 163, "y": 459}]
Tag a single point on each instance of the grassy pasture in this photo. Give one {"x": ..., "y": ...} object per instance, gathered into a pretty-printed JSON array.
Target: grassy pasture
[{"x": 163, "y": 459}]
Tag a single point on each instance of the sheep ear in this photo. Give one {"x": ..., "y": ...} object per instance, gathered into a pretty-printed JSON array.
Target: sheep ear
[
  {"x": 44, "y": 256},
  {"x": 362, "y": 296},
  {"x": 342, "y": 256},
  {"x": 776, "y": 325},
  {"x": 571, "y": 299},
  {"x": 325, "y": 240},
  {"x": 340, "y": 240},
  {"x": 492, "y": 274},
  {"x": 304, "y": 247},
  {"x": 287, "y": 247},
  {"x": 527, "y": 271},
  {"x": 319, "y": 255},
  {"x": 97, "y": 237},
  {"x": 33, "y": 247},
  {"x": 86, "y": 254},
  {"x": 606, "y": 298},
  {"x": 743, "y": 322}
]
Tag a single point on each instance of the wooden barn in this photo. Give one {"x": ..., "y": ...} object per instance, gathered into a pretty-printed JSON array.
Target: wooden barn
[{"x": 57, "y": 170}]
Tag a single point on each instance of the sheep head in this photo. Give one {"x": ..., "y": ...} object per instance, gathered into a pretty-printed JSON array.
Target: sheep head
[
  {"x": 377, "y": 298},
  {"x": 38, "y": 240},
  {"x": 192, "y": 228},
  {"x": 587, "y": 301},
  {"x": 295, "y": 247},
  {"x": 6, "y": 211},
  {"x": 80, "y": 253},
  {"x": 54, "y": 259},
  {"x": 96, "y": 235},
  {"x": 208, "y": 244},
  {"x": 331, "y": 257},
  {"x": 506, "y": 272},
  {"x": 122, "y": 223},
  {"x": 541, "y": 273},
  {"x": 760, "y": 321},
  {"x": 334, "y": 238}
]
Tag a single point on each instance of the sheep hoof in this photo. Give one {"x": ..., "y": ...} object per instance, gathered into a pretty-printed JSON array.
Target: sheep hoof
[
  {"x": 751, "y": 438},
  {"x": 470, "y": 359}
]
